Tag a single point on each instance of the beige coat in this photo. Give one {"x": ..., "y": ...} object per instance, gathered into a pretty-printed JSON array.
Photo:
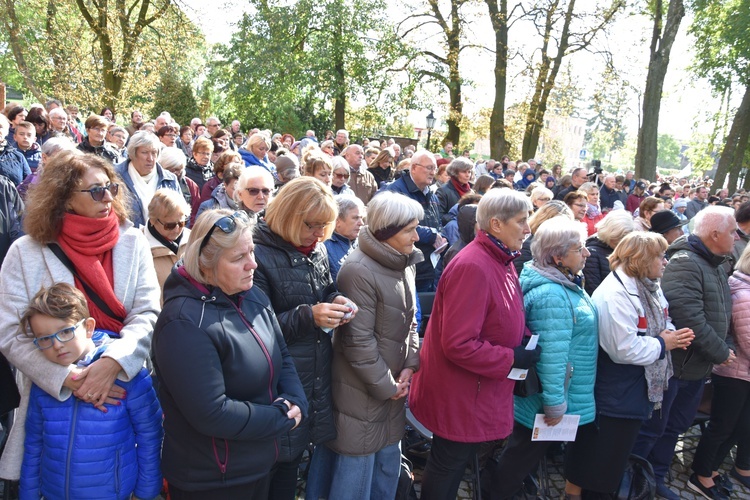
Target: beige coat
[
  {"x": 371, "y": 350},
  {"x": 164, "y": 258}
]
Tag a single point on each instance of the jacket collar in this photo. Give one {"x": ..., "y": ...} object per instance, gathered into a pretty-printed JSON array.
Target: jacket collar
[
  {"x": 384, "y": 254},
  {"x": 484, "y": 240}
]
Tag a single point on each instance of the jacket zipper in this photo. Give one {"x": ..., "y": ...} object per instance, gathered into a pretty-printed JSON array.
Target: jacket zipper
[
  {"x": 70, "y": 446},
  {"x": 117, "y": 473},
  {"x": 268, "y": 360}
]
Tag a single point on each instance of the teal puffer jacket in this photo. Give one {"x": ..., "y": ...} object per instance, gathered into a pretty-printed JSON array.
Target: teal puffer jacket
[{"x": 564, "y": 317}]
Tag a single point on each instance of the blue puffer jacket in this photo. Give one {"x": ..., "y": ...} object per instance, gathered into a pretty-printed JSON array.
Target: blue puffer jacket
[
  {"x": 339, "y": 247},
  {"x": 565, "y": 319},
  {"x": 73, "y": 450}
]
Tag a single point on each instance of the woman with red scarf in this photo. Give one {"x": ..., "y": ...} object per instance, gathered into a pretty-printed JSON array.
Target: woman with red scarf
[
  {"x": 293, "y": 272},
  {"x": 77, "y": 232},
  {"x": 460, "y": 171}
]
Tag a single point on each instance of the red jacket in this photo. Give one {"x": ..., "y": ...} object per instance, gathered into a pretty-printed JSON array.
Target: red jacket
[{"x": 461, "y": 391}]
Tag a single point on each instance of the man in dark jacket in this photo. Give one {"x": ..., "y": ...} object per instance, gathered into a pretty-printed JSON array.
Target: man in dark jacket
[
  {"x": 608, "y": 195},
  {"x": 577, "y": 178},
  {"x": 698, "y": 203},
  {"x": 416, "y": 184},
  {"x": 695, "y": 285},
  {"x": 96, "y": 130}
]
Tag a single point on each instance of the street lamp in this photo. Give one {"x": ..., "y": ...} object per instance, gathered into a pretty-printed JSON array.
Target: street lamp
[{"x": 430, "y": 126}]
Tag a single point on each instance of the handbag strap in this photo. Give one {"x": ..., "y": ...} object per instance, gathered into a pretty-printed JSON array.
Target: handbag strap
[{"x": 55, "y": 248}]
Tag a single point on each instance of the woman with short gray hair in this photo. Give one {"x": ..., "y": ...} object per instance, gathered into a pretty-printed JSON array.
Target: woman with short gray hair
[
  {"x": 247, "y": 393},
  {"x": 375, "y": 355},
  {"x": 460, "y": 172},
  {"x": 473, "y": 340},
  {"x": 561, "y": 313}
]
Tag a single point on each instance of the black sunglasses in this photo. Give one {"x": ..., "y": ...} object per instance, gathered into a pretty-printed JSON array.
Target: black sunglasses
[
  {"x": 227, "y": 224},
  {"x": 171, "y": 225},
  {"x": 97, "y": 193},
  {"x": 255, "y": 191}
]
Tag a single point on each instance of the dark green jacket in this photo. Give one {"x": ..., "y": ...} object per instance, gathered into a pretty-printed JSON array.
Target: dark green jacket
[{"x": 695, "y": 285}]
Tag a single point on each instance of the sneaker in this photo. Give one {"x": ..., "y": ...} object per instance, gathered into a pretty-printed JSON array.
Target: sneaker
[
  {"x": 723, "y": 482},
  {"x": 663, "y": 491},
  {"x": 715, "y": 492},
  {"x": 743, "y": 480}
]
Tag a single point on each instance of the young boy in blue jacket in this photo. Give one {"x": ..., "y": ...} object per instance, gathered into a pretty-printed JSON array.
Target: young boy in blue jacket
[{"x": 72, "y": 449}]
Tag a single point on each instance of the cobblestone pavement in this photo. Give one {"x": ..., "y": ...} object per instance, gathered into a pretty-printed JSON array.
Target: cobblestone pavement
[{"x": 680, "y": 472}]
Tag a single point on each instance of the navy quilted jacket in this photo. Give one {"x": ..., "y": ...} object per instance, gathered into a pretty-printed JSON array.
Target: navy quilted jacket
[{"x": 73, "y": 450}]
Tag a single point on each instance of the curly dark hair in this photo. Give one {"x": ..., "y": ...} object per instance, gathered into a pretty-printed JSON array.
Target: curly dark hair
[{"x": 48, "y": 199}]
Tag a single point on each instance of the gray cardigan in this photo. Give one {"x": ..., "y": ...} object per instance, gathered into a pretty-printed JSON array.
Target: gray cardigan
[{"x": 30, "y": 265}]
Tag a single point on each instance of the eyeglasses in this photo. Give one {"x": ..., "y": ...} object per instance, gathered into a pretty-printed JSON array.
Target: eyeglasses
[
  {"x": 316, "y": 227},
  {"x": 580, "y": 205},
  {"x": 578, "y": 250},
  {"x": 170, "y": 135},
  {"x": 171, "y": 225},
  {"x": 255, "y": 191},
  {"x": 97, "y": 193},
  {"x": 543, "y": 199},
  {"x": 227, "y": 224},
  {"x": 201, "y": 153},
  {"x": 64, "y": 335},
  {"x": 342, "y": 176},
  {"x": 431, "y": 168}
]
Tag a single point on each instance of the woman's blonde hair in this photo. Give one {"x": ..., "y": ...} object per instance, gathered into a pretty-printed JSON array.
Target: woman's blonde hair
[
  {"x": 613, "y": 228},
  {"x": 303, "y": 200},
  {"x": 256, "y": 140},
  {"x": 635, "y": 253},
  {"x": 166, "y": 202},
  {"x": 201, "y": 265},
  {"x": 314, "y": 160},
  {"x": 47, "y": 200},
  {"x": 552, "y": 208}
]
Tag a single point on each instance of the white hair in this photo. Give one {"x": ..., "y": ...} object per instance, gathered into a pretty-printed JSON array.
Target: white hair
[
  {"x": 501, "y": 204},
  {"x": 171, "y": 158},
  {"x": 713, "y": 218},
  {"x": 554, "y": 238},
  {"x": 614, "y": 227},
  {"x": 348, "y": 202},
  {"x": 250, "y": 173},
  {"x": 392, "y": 209},
  {"x": 143, "y": 139}
]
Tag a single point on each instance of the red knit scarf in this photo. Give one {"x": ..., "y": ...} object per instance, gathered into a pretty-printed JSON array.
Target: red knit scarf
[
  {"x": 461, "y": 188},
  {"x": 88, "y": 243}
]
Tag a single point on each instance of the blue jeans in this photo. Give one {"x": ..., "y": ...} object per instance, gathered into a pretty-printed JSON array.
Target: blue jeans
[
  {"x": 658, "y": 437},
  {"x": 335, "y": 476}
]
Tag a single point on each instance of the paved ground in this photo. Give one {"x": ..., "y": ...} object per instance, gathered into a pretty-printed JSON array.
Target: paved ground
[{"x": 680, "y": 473}]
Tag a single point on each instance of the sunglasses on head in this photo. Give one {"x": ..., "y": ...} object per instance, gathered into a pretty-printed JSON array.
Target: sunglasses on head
[
  {"x": 171, "y": 225},
  {"x": 227, "y": 224},
  {"x": 255, "y": 191},
  {"x": 97, "y": 193}
]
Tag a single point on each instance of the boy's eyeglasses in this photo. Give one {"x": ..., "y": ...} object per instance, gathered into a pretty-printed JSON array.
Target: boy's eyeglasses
[
  {"x": 227, "y": 224},
  {"x": 64, "y": 335},
  {"x": 169, "y": 226},
  {"x": 97, "y": 193}
]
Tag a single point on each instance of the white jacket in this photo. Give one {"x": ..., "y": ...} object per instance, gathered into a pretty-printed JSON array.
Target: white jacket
[
  {"x": 27, "y": 268},
  {"x": 619, "y": 309}
]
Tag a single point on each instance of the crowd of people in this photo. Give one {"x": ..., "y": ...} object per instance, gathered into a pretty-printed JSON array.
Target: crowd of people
[{"x": 208, "y": 307}]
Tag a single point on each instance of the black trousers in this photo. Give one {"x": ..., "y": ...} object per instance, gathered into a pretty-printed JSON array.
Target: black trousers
[
  {"x": 729, "y": 424},
  {"x": 445, "y": 468},
  {"x": 257, "y": 490},
  {"x": 284, "y": 480}
]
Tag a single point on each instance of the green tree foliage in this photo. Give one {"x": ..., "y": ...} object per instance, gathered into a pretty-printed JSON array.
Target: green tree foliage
[
  {"x": 294, "y": 66},
  {"x": 668, "y": 152},
  {"x": 96, "y": 53},
  {"x": 723, "y": 55},
  {"x": 176, "y": 96}
]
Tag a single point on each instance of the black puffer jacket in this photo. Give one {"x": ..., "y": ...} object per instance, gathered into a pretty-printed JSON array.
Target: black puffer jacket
[
  {"x": 295, "y": 283},
  {"x": 695, "y": 285},
  {"x": 467, "y": 221},
  {"x": 105, "y": 151},
  {"x": 597, "y": 265},
  {"x": 525, "y": 256},
  {"x": 222, "y": 363}
]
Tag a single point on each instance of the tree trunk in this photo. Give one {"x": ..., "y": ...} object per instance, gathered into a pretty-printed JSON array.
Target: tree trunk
[
  {"x": 661, "y": 46},
  {"x": 499, "y": 19},
  {"x": 733, "y": 154},
  {"x": 456, "y": 103}
]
